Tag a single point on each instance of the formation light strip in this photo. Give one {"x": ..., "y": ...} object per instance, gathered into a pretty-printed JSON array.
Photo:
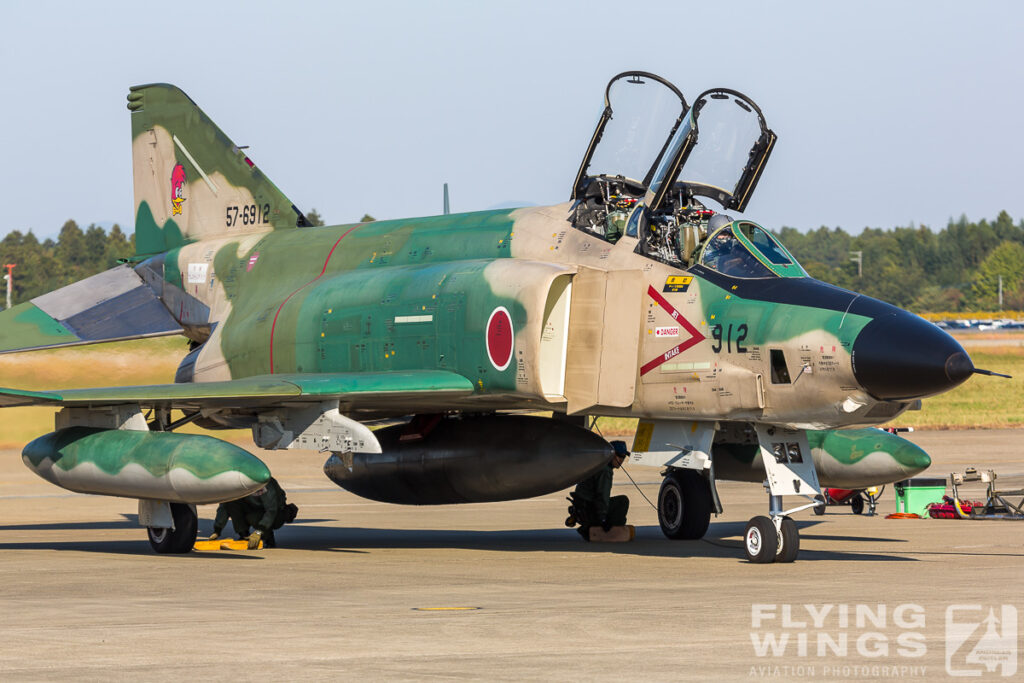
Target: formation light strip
[{"x": 209, "y": 183}]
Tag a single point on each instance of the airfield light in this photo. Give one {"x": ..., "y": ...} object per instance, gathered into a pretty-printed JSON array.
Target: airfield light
[
  {"x": 858, "y": 258},
  {"x": 9, "y": 276}
]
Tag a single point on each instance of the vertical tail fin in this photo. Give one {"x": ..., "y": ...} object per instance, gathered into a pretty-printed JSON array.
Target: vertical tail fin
[{"x": 191, "y": 181}]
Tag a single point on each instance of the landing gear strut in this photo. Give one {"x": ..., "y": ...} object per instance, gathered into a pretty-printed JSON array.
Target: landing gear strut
[
  {"x": 789, "y": 467},
  {"x": 179, "y": 539}
]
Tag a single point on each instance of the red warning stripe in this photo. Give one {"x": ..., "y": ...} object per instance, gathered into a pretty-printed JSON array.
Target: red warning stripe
[
  {"x": 695, "y": 335},
  {"x": 273, "y": 325}
]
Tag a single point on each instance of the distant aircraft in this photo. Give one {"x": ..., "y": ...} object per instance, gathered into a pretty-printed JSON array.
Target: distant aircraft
[{"x": 631, "y": 299}]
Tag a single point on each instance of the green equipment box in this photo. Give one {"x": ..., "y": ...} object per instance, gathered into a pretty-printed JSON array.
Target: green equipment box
[{"x": 914, "y": 495}]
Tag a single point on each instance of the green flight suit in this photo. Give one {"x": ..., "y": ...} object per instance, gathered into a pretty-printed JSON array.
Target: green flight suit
[
  {"x": 601, "y": 508},
  {"x": 263, "y": 510}
]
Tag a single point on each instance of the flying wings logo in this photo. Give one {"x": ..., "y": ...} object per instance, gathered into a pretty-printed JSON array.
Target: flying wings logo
[
  {"x": 177, "y": 189},
  {"x": 981, "y": 640}
]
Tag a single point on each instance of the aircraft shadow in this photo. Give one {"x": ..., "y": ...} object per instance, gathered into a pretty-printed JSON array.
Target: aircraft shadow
[
  {"x": 139, "y": 547},
  {"x": 649, "y": 542},
  {"x": 128, "y": 522},
  {"x": 724, "y": 540}
]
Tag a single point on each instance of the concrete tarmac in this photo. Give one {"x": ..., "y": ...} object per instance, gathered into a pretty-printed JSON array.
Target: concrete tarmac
[{"x": 367, "y": 591}]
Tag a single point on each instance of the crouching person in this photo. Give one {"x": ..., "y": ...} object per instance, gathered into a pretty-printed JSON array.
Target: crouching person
[
  {"x": 256, "y": 516},
  {"x": 592, "y": 502}
]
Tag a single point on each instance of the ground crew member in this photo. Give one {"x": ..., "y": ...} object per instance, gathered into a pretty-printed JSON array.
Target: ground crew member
[
  {"x": 263, "y": 511},
  {"x": 592, "y": 502}
]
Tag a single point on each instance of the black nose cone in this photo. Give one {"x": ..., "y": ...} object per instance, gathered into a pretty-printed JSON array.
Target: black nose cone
[{"x": 899, "y": 356}]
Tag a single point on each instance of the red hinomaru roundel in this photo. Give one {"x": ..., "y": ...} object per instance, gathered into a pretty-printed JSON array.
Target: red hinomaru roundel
[{"x": 500, "y": 338}]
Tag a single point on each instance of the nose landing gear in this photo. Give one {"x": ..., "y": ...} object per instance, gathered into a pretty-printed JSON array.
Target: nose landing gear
[
  {"x": 772, "y": 539},
  {"x": 790, "y": 471}
]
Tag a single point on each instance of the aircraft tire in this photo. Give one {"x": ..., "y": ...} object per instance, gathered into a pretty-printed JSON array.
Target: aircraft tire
[
  {"x": 819, "y": 509},
  {"x": 789, "y": 541},
  {"x": 857, "y": 505},
  {"x": 684, "y": 505},
  {"x": 761, "y": 540},
  {"x": 182, "y": 537}
]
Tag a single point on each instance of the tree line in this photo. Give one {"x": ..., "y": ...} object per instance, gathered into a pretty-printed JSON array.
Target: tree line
[
  {"x": 76, "y": 254},
  {"x": 957, "y": 268}
]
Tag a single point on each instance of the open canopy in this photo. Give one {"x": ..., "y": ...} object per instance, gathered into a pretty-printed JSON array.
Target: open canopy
[
  {"x": 651, "y": 160},
  {"x": 641, "y": 113}
]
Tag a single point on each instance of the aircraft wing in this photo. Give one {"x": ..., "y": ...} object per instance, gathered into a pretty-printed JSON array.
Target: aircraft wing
[
  {"x": 376, "y": 388},
  {"x": 114, "y": 305}
]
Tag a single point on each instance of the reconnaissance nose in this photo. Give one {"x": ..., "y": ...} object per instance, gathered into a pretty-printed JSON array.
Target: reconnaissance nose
[{"x": 899, "y": 356}]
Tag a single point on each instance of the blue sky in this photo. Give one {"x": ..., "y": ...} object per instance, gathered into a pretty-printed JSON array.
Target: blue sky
[{"x": 887, "y": 113}]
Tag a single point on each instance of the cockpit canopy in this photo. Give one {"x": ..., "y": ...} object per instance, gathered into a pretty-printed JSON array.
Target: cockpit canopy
[
  {"x": 734, "y": 145},
  {"x": 641, "y": 114},
  {"x": 652, "y": 157}
]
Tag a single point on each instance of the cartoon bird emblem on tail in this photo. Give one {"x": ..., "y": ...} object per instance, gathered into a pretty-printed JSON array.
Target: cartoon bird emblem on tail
[{"x": 177, "y": 189}]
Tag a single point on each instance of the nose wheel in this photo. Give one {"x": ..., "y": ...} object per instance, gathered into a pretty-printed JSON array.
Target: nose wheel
[{"x": 768, "y": 540}]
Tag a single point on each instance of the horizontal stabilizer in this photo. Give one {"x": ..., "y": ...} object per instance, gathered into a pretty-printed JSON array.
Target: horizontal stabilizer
[
  {"x": 354, "y": 388},
  {"x": 112, "y": 306}
]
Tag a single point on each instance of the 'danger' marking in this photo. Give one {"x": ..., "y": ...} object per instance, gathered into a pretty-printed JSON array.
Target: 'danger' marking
[
  {"x": 500, "y": 338},
  {"x": 695, "y": 336}
]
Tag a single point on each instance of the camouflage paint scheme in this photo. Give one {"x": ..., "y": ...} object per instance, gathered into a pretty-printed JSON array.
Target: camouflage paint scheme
[
  {"x": 121, "y": 462},
  {"x": 346, "y": 285},
  {"x": 847, "y": 458},
  {"x": 423, "y": 309}
]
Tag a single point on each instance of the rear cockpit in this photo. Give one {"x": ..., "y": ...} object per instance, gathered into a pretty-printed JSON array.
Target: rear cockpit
[{"x": 652, "y": 162}]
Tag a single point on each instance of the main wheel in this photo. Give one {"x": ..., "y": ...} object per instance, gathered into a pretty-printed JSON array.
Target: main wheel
[
  {"x": 182, "y": 537},
  {"x": 789, "y": 541},
  {"x": 684, "y": 505},
  {"x": 761, "y": 540},
  {"x": 857, "y": 504}
]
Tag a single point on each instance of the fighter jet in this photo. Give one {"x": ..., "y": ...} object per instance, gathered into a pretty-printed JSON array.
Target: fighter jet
[{"x": 641, "y": 296}]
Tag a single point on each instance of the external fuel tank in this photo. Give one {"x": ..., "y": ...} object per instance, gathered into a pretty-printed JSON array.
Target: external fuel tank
[{"x": 472, "y": 460}]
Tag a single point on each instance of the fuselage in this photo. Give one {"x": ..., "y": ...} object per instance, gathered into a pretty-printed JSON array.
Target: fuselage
[{"x": 647, "y": 339}]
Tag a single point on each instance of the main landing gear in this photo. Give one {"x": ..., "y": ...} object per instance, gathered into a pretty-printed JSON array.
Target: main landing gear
[
  {"x": 684, "y": 504},
  {"x": 688, "y": 494},
  {"x": 179, "y": 538}
]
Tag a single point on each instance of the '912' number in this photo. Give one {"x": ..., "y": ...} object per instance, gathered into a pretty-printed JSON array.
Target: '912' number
[
  {"x": 729, "y": 339},
  {"x": 253, "y": 214}
]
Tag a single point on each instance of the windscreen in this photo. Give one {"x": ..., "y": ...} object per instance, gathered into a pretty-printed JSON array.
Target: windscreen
[
  {"x": 766, "y": 244},
  {"x": 644, "y": 112},
  {"x": 729, "y": 256}
]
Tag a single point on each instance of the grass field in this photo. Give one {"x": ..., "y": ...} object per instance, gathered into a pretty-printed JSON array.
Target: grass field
[
  {"x": 148, "y": 361},
  {"x": 978, "y": 403}
]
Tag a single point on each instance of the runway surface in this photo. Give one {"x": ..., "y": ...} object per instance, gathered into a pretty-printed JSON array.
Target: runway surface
[{"x": 355, "y": 590}]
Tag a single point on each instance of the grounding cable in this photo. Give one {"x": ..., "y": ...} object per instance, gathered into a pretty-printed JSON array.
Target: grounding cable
[{"x": 593, "y": 425}]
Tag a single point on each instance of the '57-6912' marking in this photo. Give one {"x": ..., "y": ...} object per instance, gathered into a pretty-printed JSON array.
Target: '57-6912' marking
[{"x": 251, "y": 214}]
